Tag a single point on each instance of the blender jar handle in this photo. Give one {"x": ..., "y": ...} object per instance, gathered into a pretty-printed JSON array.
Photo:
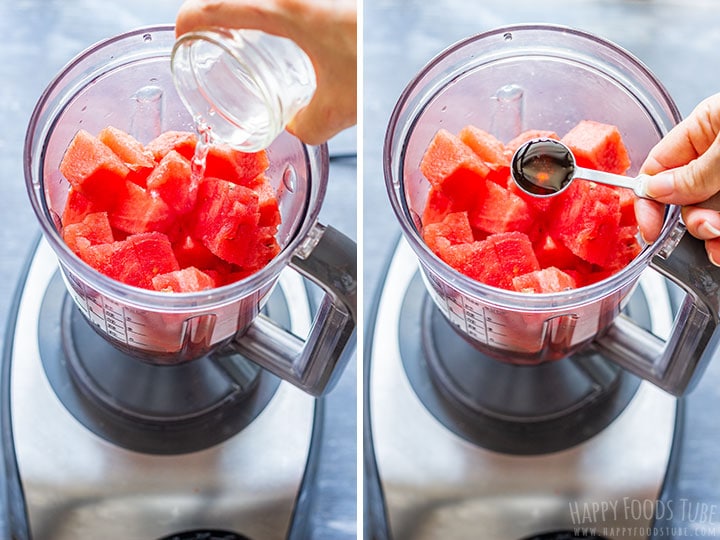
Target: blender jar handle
[
  {"x": 675, "y": 365},
  {"x": 313, "y": 365}
]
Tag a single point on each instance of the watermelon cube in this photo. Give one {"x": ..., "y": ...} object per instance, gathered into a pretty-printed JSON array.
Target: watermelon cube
[
  {"x": 547, "y": 280},
  {"x": 627, "y": 247},
  {"x": 235, "y": 166},
  {"x": 131, "y": 151},
  {"x": 155, "y": 252},
  {"x": 499, "y": 210},
  {"x": 598, "y": 146},
  {"x": 552, "y": 252},
  {"x": 439, "y": 205},
  {"x": 587, "y": 221},
  {"x": 93, "y": 229},
  {"x": 490, "y": 150},
  {"x": 188, "y": 279},
  {"x": 78, "y": 206},
  {"x": 189, "y": 251},
  {"x": 174, "y": 182},
  {"x": 183, "y": 142},
  {"x": 477, "y": 260},
  {"x": 135, "y": 260},
  {"x": 226, "y": 219},
  {"x": 139, "y": 211},
  {"x": 515, "y": 254},
  {"x": 116, "y": 260},
  {"x": 93, "y": 169},
  {"x": 454, "y": 229},
  {"x": 264, "y": 248},
  {"x": 451, "y": 166}
]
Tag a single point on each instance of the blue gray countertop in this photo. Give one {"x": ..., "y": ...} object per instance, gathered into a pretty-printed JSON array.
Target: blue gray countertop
[
  {"x": 678, "y": 40},
  {"x": 39, "y": 38}
]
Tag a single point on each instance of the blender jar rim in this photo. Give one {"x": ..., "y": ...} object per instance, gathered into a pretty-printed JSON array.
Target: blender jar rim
[
  {"x": 106, "y": 285},
  {"x": 467, "y": 285}
]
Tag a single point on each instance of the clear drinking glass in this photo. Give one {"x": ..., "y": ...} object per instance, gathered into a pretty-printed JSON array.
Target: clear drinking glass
[{"x": 245, "y": 85}]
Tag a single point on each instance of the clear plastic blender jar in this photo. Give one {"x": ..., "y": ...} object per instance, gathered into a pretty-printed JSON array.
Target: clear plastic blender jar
[
  {"x": 548, "y": 77},
  {"x": 126, "y": 82}
]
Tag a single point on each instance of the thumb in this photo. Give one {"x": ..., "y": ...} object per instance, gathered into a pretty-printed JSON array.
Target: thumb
[{"x": 690, "y": 184}]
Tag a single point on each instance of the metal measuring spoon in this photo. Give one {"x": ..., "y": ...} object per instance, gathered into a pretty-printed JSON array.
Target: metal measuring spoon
[{"x": 545, "y": 167}]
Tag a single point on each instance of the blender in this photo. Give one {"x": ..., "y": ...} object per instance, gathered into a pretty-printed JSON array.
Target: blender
[
  {"x": 136, "y": 414},
  {"x": 527, "y": 407}
]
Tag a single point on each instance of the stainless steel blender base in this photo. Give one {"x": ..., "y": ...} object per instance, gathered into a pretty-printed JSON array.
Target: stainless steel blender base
[
  {"x": 438, "y": 485},
  {"x": 79, "y": 485}
]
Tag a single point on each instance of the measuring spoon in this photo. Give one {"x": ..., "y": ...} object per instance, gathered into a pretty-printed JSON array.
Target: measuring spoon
[{"x": 545, "y": 167}]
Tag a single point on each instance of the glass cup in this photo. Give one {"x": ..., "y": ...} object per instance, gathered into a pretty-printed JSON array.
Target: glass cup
[{"x": 244, "y": 85}]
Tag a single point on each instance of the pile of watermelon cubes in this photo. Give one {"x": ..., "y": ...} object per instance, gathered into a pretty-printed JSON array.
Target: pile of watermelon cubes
[
  {"x": 137, "y": 214},
  {"x": 479, "y": 222}
]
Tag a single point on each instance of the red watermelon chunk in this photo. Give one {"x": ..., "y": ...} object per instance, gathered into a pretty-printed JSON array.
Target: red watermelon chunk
[
  {"x": 439, "y": 205},
  {"x": 551, "y": 252},
  {"x": 587, "y": 221},
  {"x": 627, "y": 248},
  {"x": 235, "y": 166},
  {"x": 183, "y": 142},
  {"x": 155, "y": 253},
  {"x": 173, "y": 181},
  {"x": 139, "y": 211},
  {"x": 499, "y": 210},
  {"x": 189, "y": 251},
  {"x": 477, "y": 260},
  {"x": 188, "y": 279},
  {"x": 78, "y": 206},
  {"x": 135, "y": 260},
  {"x": 131, "y": 151},
  {"x": 93, "y": 229},
  {"x": 547, "y": 280},
  {"x": 116, "y": 260},
  {"x": 93, "y": 169},
  {"x": 262, "y": 250},
  {"x": 227, "y": 219},
  {"x": 454, "y": 229},
  {"x": 515, "y": 253},
  {"x": 598, "y": 146},
  {"x": 450, "y": 165},
  {"x": 490, "y": 150}
]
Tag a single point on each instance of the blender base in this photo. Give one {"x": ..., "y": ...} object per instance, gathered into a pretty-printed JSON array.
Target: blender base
[
  {"x": 434, "y": 478},
  {"x": 78, "y": 481}
]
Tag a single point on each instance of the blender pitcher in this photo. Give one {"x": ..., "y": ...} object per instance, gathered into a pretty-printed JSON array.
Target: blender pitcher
[
  {"x": 126, "y": 82},
  {"x": 549, "y": 77}
]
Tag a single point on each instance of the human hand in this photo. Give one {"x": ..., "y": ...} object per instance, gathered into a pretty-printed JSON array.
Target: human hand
[
  {"x": 685, "y": 170},
  {"x": 325, "y": 29}
]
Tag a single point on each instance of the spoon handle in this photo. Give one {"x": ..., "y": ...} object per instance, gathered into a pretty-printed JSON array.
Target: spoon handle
[{"x": 637, "y": 184}]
